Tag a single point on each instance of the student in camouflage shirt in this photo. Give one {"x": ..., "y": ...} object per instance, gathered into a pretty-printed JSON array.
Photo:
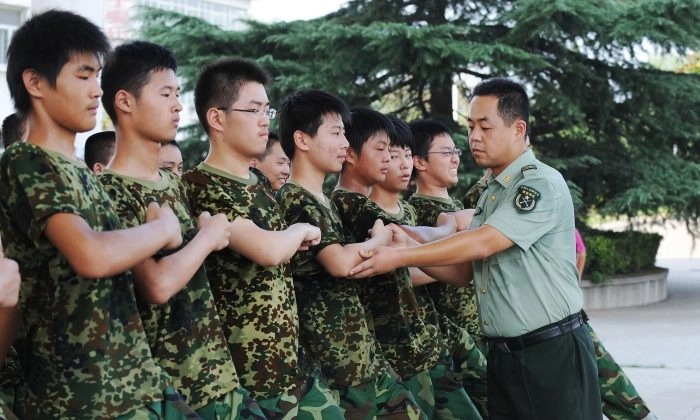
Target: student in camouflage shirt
[
  {"x": 250, "y": 278},
  {"x": 334, "y": 325},
  {"x": 85, "y": 352},
  {"x": 436, "y": 162},
  {"x": 406, "y": 323},
  {"x": 175, "y": 301}
]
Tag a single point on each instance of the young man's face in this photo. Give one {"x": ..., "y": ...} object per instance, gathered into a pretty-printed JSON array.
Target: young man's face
[
  {"x": 329, "y": 147},
  {"x": 170, "y": 158},
  {"x": 440, "y": 166},
  {"x": 74, "y": 101},
  {"x": 493, "y": 144},
  {"x": 157, "y": 109},
  {"x": 275, "y": 166},
  {"x": 400, "y": 167},
  {"x": 246, "y": 132},
  {"x": 373, "y": 162}
]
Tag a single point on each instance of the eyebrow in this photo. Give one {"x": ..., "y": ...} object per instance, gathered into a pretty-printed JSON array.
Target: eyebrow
[
  {"x": 254, "y": 102},
  {"x": 88, "y": 67}
]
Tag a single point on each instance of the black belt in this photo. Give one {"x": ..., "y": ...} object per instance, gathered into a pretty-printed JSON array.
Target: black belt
[{"x": 510, "y": 344}]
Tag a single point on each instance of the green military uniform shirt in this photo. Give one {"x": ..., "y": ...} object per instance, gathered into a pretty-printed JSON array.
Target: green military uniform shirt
[
  {"x": 256, "y": 303},
  {"x": 334, "y": 327},
  {"x": 85, "y": 353},
  {"x": 185, "y": 334},
  {"x": 534, "y": 282},
  {"x": 405, "y": 322},
  {"x": 457, "y": 303}
]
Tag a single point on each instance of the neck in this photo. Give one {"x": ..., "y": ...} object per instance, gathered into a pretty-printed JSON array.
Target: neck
[
  {"x": 135, "y": 156},
  {"x": 45, "y": 133},
  {"x": 348, "y": 182},
  {"x": 430, "y": 190},
  {"x": 308, "y": 177},
  {"x": 226, "y": 159},
  {"x": 387, "y": 200}
]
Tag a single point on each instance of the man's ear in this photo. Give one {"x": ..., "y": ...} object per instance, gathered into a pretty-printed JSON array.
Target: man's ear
[
  {"x": 521, "y": 128},
  {"x": 123, "y": 101},
  {"x": 301, "y": 140},
  {"x": 33, "y": 82},
  {"x": 351, "y": 156},
  {"x": 214, "y": 119},
  {"x": 419, "y": 163}
]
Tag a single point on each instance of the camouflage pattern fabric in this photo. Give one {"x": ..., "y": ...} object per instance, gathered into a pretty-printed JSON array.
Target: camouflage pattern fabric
[
  {"x": 236, "y": 404},
  {"x": 185, "y": 334},
  {"x": 86, "y": 353},
  {"x": 13, "y": 390},
  {"x": 421, "y": 387},
  {"x": 256, "y": 304},
  {"x": 170, "y": 406},
  {"x": 471, "y": 198},
  {"x": 620, "y": 399},
  {"x": 334, "y": 327},
  {"x": 409, "y": 342},
  {"x": 457, "y": 303},
  {"x": 451, "y": 400},
  {"x": 381, "y": 399}
]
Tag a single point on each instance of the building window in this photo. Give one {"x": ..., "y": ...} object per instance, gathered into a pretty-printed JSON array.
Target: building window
[{"x": 9, "y": 22}]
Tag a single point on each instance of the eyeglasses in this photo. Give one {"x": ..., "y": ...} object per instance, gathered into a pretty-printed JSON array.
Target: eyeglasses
[
  {"x": 448, "y": 153},
  {"x": 270, "y": 113}
]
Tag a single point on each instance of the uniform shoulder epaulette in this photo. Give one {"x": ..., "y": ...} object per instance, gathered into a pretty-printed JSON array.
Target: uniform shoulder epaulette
[{"x": 529, "y": 170}]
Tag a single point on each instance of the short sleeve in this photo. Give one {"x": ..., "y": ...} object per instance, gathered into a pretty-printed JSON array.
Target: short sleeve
[{"x": 528, "y": 211}]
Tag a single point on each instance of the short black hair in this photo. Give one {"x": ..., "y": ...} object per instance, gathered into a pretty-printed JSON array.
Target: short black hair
[
  {"x": 363, "y": 124},
  {"x": 12, "y": 129},
  {"x": 45, "y": 43},
  {"x": 424, "y": 132},
  {"x": 403, "y": 137},
  {"x": 129, "y": 67},
  {"x": 99, "y": 148},
  {"x": 220, "y": 82},
  {"x": 172, "y": 143},
  {"x": 513, "y": 103},
  {"x": 304, "y": 110}
]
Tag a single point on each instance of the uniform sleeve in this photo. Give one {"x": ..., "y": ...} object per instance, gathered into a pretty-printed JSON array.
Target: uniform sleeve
[
  {"x": 34, "y": 190},
  {"x": 528, "y": 212},
  {"x": 125, "y": 204},
  {"x": 298, "y": 208}
]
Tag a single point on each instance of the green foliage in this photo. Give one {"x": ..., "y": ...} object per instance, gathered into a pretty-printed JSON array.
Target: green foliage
[
  {"x": 609, "y": 253},
  {"x": 624, "y": 134}
]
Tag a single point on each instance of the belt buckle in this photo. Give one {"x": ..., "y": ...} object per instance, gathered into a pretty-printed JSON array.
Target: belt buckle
[{"x": 502, "y": 347}]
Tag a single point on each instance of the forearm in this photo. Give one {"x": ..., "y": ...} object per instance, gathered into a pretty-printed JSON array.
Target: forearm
[
  {"x": 270, "y": 248},
  {"x": 419, "y": 277},
  {"x": 159, "y": 280},
  {"x": 425, "y": 234},
  {"x": 458, "y": 275}
]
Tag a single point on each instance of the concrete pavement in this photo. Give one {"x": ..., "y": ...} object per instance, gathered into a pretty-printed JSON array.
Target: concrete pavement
[{"x": 659, "y": 345}]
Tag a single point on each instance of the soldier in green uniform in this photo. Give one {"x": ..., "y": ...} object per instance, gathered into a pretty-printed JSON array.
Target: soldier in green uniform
[
  {"x": 141, "y": 96},
  {"x": 251, "y": 278},
  {"x": 406, "y": 323},
  {"x": 436, "y": 162},
  {"x": 334, "y": 325},
  {"x": 85, "y": 353},
  {"x": 521, "y": 246}
]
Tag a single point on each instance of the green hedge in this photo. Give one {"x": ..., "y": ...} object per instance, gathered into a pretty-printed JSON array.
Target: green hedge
[{"x": 609, "y": 253}]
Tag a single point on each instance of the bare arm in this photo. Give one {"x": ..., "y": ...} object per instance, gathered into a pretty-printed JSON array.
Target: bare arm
[
  {"x": 458, "y": 248},
  {"x": 9, "y": 325},
  {"x": 95, "y": 254},
  {"x": 338, "y": 259},
  {"x": 269, "y": 247},
  {"x": 9, "y": 294},
  {"x": 580, "y": 264},
  {"x": 458, "y": 275},
  {"x": 159, "y": 280}
]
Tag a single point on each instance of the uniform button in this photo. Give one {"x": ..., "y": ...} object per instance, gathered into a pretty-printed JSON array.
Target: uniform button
[
  {"x": 506, "y": 178},
  {"x": 493, "y": 198},
  {"x": 483, "y": 291},
  {"x": 486, "y": 322}
]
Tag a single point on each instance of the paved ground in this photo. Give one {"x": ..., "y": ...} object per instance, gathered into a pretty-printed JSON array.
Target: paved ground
[{"x": 659, "y": 345}]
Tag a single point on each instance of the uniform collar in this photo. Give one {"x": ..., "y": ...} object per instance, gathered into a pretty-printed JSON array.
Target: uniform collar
[{"x": 512, "y": 171}]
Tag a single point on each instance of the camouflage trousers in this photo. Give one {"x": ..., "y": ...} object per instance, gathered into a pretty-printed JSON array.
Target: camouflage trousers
[
  {"x": 440, "y": 394},
  {"x": 236, "y": 404},
  {"x": 620, "y": 399},
  {"x": 383, "y": 398},
  {"x": 172, "y": 407},
  {"x": 310, "y": 399},
  {"x": 470, "y": 369}
]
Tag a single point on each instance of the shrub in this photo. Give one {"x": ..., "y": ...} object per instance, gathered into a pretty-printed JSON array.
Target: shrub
[{"x": 609, "y": 253}]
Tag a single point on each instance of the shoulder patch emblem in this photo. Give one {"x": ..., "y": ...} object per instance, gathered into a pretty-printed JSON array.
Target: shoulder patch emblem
[{"x": 526, "y": 199}]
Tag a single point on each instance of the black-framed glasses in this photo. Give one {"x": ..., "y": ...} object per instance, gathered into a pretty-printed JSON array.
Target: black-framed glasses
[
  {"x": 448, "y": 152},
  {"x": 270, "y": 113}
]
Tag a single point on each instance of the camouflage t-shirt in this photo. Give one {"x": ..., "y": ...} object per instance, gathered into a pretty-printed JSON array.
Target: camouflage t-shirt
[
  {"x": 457, "y": 303},
  {"x": 408, "y": 341},
  {"x": 86, "y": 353},
  {"x": 11, "y": 370},
  {"x": 334, "y": 327},
  {"x": 256, "y": 303},
  {"x": 185, "y": 334}
]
